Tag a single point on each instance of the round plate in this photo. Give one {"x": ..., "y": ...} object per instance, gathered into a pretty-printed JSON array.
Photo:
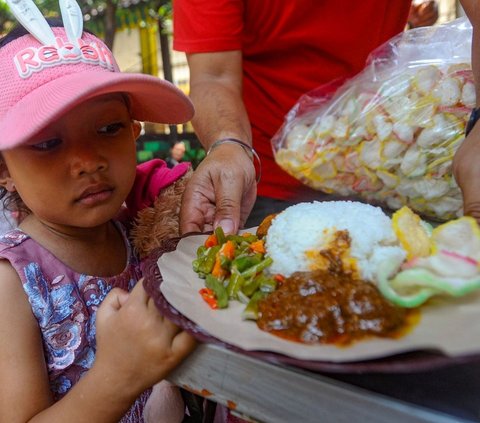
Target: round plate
[{"x": 415, "y": 361}]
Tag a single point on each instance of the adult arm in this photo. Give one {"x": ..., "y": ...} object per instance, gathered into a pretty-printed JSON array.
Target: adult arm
[
  {"x": 465, "y": 163},
  {"x": 136, "y": 347},
  {"x": 223, "y": 188}
]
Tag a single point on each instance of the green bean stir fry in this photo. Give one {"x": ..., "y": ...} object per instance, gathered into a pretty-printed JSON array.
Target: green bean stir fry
[{"x": 233, "y": 268}]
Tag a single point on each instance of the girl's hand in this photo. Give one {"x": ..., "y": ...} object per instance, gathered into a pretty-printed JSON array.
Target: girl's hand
[{"x": 136, "y": 345}]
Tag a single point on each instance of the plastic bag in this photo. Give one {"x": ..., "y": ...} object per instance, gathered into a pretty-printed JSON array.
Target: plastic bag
[{"x": 388, "y": 135}]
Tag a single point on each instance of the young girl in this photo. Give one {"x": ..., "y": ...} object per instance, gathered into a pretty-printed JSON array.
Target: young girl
[{"x": 80, "y": 340}]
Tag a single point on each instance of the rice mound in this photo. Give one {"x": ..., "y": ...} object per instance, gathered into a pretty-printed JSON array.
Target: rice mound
[{"x": 308, "y": 227}]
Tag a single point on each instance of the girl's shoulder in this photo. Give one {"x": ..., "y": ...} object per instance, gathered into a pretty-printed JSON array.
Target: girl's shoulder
[
  {"x": 15, "y": 245},
  {"x": 12, "y": 238}
]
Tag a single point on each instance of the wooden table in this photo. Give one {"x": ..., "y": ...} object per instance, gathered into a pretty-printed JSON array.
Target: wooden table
[{"x": 268, "y": 392}]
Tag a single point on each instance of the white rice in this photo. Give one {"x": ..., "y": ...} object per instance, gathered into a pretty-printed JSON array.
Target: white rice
[{"x": 309, "y": 226}]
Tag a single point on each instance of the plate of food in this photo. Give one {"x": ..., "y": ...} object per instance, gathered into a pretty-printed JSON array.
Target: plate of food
[{"x": 333, "y": 286}]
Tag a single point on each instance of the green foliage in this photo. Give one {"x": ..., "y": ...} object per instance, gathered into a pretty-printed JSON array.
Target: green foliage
[
  {"x": 165, "y": 10},
  {"x": 193, "y": 154},
  {"x": 158, "y": 147},
  {"x": 128, "y": 14}
]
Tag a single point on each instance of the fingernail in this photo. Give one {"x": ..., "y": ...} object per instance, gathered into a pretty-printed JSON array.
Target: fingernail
[{"x": 227, "y": 226}]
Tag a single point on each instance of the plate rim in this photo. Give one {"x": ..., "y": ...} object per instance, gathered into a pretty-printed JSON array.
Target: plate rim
[{"x": 407, "y": 362}]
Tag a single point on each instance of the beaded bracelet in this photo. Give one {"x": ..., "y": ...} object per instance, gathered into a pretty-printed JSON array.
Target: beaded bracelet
[{"x": 248, "y": 149}]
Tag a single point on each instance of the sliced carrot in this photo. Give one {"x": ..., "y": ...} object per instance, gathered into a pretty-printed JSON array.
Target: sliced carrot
[
  {"x": 258, "y": 246},
  {"x": 228, "y": 250},
  {"x": 279, "y": 278},
  {"x": 217, "y": 270},
  {"x": 211, "y": 241}
]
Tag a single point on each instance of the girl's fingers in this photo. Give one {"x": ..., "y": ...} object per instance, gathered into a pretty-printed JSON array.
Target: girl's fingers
[
  {"x": 171, "y": 329},
  {"x": 139, "y": 294},
  {"x": 183, "y": 344},
  {"x": 115, "y": 299}
]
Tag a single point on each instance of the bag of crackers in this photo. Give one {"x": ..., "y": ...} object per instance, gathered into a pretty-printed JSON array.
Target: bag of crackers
[{"x": 389, "y": 134}]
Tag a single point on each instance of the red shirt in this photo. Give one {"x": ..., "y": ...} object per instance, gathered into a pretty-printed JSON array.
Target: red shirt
[{"x": 289, "y": 47}]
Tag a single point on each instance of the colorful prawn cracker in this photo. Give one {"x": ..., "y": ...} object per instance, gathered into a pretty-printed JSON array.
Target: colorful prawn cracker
[
  {"x": 387, "y": 136},
  {"x": 451, "y": 267}
]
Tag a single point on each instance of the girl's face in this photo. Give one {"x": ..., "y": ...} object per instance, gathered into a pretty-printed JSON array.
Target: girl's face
[{"x": 79, "y": 170}]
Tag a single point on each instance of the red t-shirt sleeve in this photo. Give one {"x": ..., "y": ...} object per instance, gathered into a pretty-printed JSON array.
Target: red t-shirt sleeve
[{"x": 201, "y": 26}]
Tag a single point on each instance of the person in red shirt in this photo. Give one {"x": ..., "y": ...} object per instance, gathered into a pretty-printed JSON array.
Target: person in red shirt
[{"x": 249, "y": 63}]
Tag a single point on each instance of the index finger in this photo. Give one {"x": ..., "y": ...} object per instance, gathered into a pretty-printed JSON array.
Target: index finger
[
  {"x": 192, "y": 217},
  {"x": 229, "y": 196}
]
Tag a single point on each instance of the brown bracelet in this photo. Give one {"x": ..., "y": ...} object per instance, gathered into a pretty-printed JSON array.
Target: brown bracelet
[{"x": 248, "y": 149}]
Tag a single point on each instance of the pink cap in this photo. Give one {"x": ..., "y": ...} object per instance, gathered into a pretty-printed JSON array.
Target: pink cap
[{"x": 42, "y": 82}]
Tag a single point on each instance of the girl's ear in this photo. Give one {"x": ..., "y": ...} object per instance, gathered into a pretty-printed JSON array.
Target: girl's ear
[
  {"x": 6, "y": 180},
  {"x": 137, "y": 128}
]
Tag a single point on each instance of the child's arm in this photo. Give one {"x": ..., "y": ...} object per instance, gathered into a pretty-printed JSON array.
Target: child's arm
[
  {"x": 136, "y": 347},
  {"x": 24, "y": 389}
]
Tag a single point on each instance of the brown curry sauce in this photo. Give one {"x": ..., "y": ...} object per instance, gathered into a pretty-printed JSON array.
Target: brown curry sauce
[{"x": 326, "y": 307}]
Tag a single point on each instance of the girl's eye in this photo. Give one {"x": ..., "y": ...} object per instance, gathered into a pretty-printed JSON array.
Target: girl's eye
[
  {"x": 47, "y": 145},
  {"x": 112, "y": 129}
]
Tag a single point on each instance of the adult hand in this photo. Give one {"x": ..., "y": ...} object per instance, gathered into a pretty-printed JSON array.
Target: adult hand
[
  {"x": 136, "y": 345},
  {"x": 423, "y": 14},
  {"x": 467, "y": 172},
  {"x": 221, "y": 192}
]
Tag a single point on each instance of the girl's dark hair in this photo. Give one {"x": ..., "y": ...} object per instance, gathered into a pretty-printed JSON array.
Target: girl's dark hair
[{"x": 11, "y": 200}]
